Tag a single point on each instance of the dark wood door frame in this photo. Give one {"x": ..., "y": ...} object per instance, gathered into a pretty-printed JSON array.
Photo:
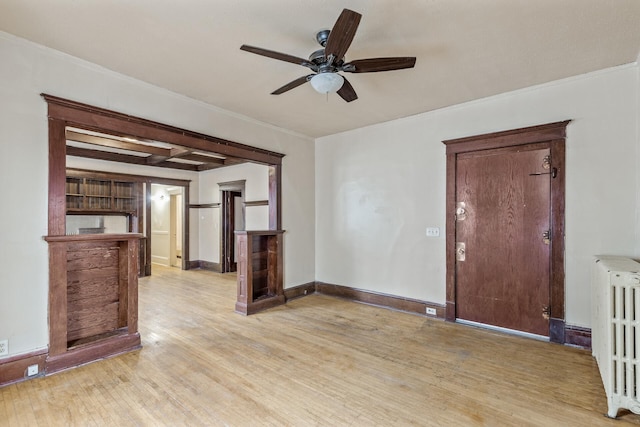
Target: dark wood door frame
[
  {"x": 554, "y": 134},
  {"x": 228, "y": 190}
]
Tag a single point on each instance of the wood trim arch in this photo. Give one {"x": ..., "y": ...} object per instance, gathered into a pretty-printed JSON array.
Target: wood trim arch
[{"x": 63, "y": 112}]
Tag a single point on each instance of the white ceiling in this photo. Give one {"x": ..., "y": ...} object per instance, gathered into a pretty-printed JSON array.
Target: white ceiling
[{"x": 465, "y": 49}]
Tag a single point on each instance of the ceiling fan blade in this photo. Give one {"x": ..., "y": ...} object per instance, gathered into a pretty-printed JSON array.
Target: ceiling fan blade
[
  {"x": 346, "y": 92},
  {"x": 291, "y": 85},
  {"x": 342, "y": 34},
  {"x": 373, "y": 65},
  {"x": 277, "y": 55}
]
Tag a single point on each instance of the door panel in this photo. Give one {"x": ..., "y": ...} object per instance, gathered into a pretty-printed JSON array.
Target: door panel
[{"x": 504, "y": 278}]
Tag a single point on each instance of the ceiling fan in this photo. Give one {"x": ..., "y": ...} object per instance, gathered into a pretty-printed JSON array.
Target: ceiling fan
[{"x": 328, "y": 61}]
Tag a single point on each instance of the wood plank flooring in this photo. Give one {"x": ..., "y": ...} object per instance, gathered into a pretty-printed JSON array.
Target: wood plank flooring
[{"x": 318, "y": 360}]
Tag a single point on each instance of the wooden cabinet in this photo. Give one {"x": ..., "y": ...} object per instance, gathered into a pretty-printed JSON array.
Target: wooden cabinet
[
  {"x": 93, "y": 297},
  {"x": 97, "y": 195},
  {"x": 259, "y": 270}
]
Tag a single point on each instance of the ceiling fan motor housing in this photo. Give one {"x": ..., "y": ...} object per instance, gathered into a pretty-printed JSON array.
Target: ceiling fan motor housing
[{"x": 317, "y": 57}]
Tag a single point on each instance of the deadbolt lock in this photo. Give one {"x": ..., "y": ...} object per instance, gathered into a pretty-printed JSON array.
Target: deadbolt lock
[
  {"x": 546, "y": 237},
  {"x": 461, "y": 211},
  {"x": 460, "y": 251}
]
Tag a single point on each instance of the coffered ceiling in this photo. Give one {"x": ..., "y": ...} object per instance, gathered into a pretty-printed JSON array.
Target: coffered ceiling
[
  {"x": 95, "y": 145},
  {"x": 465, "y": 49}
]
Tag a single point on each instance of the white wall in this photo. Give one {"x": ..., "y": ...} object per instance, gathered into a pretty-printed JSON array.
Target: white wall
[
  {"x": 256, "y": 218},
  {"x": 378, "y": 188},
  {"x": 26, "y": 71}
]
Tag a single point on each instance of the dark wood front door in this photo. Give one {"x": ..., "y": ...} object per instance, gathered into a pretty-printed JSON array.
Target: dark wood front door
[{"x": 503, "y": 221}]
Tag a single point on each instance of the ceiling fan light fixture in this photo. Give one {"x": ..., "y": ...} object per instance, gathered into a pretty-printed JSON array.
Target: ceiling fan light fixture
[{"x": 327, "y": 82}]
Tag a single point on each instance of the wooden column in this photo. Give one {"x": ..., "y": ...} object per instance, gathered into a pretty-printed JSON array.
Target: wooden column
[{"x": 275, "y": 197}]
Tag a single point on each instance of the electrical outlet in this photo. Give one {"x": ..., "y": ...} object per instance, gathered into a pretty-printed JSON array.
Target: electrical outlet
[
  {"x": 433, "y": 232},
  {"x": 32, "y": 370},
  {"x": 4, "y": 347},
  {"x": 431, "y": 311}
]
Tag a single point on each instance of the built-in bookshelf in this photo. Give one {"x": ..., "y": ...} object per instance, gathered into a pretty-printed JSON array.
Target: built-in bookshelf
[
  {"x": 260, "y": 272},
  {"x": 75, "y": 196},
  {"x": 86, "y": 194},
  {"x": 124, "y": 196}
]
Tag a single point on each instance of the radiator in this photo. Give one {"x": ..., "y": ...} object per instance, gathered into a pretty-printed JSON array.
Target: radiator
[{"x": 615, "y": 330}]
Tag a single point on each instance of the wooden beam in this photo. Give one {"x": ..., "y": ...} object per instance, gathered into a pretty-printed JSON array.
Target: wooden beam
[
  {"x": 82, "y": 115},
  {"x": 230, "y": 161},
  {"x": 114, "y": 143},
  {"x": 203, "y": 159},
  {"x": 125, "y": 158},
  {"x": 208, "y": 166},
  {"x": 177, "y": 152}
]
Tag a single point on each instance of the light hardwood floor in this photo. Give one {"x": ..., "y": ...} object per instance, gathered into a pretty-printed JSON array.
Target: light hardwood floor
[{"x": 318, "y": 360}]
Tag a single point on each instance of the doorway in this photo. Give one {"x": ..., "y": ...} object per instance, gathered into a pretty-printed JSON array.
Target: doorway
[
  {"x": 232, "y": 220},
  {"x": 167, "y": 225},
  {"x": 505, "y": 230}
]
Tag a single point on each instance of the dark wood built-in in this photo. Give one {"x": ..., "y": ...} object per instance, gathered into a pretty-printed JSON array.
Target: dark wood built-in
[
  {"x": 93, "y": 297},
  {"x": 124, "y": 194},
  {"x": 260, "y": 272},
  {"x": 103, "y": 196},
  {"x": 71, "y": 342}
]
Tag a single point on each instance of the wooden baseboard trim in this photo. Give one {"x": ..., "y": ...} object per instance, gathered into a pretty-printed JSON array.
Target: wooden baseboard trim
[
  {"x": 578, "y": 336},
  {"x": 299, "y": 291},
  {"x": 14, "y": 369},
  {"x": 560, "y": 333},
  {"x": 382, "y": 300},
  {"x": 205, "y": 265},
  {"x": 108, "y": 347},
  {"x": 260, "y": 305}
]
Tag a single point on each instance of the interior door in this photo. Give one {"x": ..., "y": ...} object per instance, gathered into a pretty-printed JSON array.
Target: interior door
[{"x": 503, "y": 216}]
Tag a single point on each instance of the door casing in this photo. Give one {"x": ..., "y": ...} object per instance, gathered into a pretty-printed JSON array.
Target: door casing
[{"x": 554, "y": 134}]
